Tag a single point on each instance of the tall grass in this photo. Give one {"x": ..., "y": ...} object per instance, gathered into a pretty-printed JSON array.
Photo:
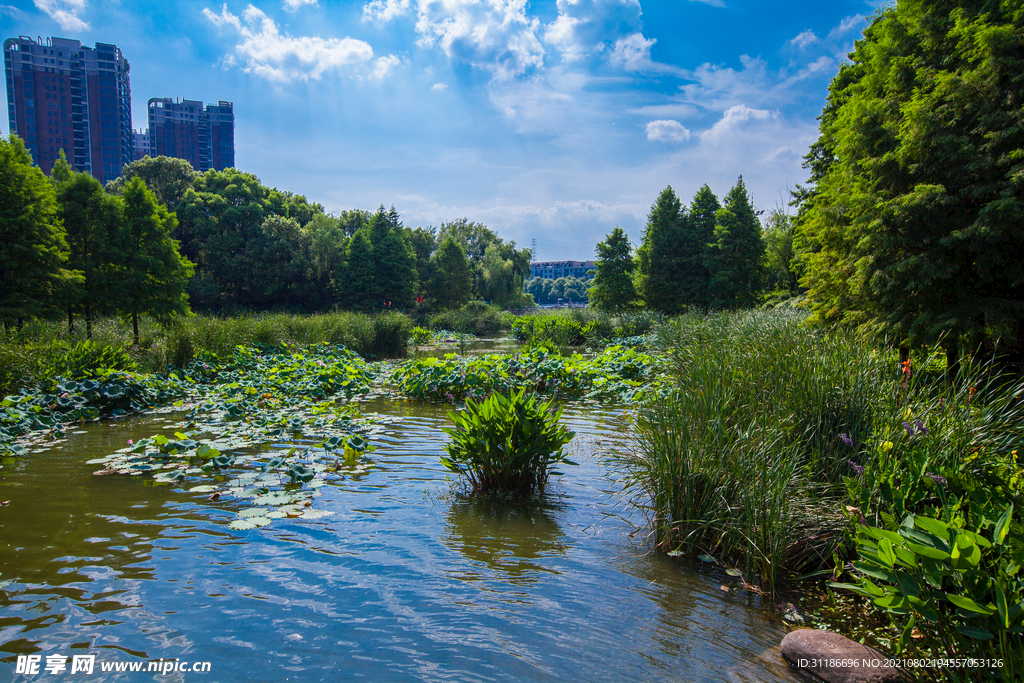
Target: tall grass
[
  {"x": 39, "y": 351},
  {"x": 775, "y": 432},
  {"x": 579, "y": 327}
]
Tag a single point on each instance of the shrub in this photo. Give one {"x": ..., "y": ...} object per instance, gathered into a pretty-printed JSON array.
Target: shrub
[
  {"x": 88, "y": 359},
  {"x": 506, "y": 443}
]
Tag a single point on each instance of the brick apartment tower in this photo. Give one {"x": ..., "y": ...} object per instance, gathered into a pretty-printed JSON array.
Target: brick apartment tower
[
  {"x": 63, "y": 95},
  {"x": 203, "y": 136}
]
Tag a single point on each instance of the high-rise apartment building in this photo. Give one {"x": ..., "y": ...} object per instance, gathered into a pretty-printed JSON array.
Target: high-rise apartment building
[
  {"x": 204, "y": 136},
  {"x": 63, "y": 95}
]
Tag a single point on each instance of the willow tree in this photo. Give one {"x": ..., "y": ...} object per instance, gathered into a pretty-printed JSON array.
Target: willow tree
[{"x": 915, "y": 225}]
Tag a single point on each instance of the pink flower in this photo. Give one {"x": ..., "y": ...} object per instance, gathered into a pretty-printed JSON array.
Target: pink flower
[
  {"x": 64, "y": 395},
  {"x": 130, "y": 442}
]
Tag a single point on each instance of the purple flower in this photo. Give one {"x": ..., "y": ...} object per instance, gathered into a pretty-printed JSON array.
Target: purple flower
[
  {"x": 845, "y": 438},
  {"x": 909, "y": 427},
  {"x": 921, "y": 429},
  {"x": 937, "y": 479},
  {"x": 859, "y": 469}
]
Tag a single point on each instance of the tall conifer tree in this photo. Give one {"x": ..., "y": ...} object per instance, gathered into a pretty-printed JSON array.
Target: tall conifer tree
[
  {"x": 612, "y": 289},
  {"x": 735, "y": 258},
  {"x": 657, "y": 258}
]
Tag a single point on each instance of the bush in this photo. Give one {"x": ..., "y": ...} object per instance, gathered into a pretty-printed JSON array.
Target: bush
[
  {"x": 507, "y": 444},
  {"x": 88, "y": 359}
]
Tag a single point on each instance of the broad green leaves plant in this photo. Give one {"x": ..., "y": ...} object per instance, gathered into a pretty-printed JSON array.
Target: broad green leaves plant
[{"x": 506, "y": 443}]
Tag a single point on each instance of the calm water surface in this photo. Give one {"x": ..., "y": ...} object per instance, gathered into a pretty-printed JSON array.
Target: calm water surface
[{"x": 405, "y": 581}]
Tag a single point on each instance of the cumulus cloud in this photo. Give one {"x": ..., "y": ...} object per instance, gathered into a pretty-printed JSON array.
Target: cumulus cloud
[
  {"x": 496, "y": 35},
  {"x": 293, "y": 5},
  {"x": 589, "y": 28},
  {"x": 385, "y": 10},
  {"x": 667, "y": 131},
  {"x": 439, "y": 87},
  {"x": 804, "y": 39},
  {"x": 281, "y": 57},
  {"x": 846, "y": 25},
  {"x": 732, "y": 120},
  {"x": 65, "y": 13},
  {"x": 633, "y": 52}
]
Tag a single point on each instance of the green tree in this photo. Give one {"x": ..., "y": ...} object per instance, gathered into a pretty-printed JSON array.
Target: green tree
[
  {"x": 913, "y": 226},
  {"x": 33, "y": 250},
  {"x": 91, "y": 219},
  {"x": 395, "y": 264},
  {"x": 735, "y": 256},
  {"x": 697, "y": 234},
  {"x": 612, "y": 289},
  {"x": 504, "y": 268},
  {"x": 166, "y": 177},
  {"x": 360, "y": 285},
  {"x": 152, "y": 274},
  {"x": 449, "y": 280},
  {"x": 780, "y": 272},
  {"x": 424, "y": 242},
  {"x": 328, "y": 244},
  {"x": 658, "y": 265}
]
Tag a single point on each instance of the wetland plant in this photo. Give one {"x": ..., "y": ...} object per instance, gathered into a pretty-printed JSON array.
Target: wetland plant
[{"x": 507, "y": 443}]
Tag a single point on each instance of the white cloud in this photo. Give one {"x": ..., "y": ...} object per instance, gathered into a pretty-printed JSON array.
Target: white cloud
[
  {"x": 732, "y": 120},
  {"x": 713, "y": 3},
  {"x": 65, "y": 13},
  {"x": 439, "y": 86},
  {"x": 667, "y": 131},
  {"x": 382, "y": 66},
  {"x": 11, "y": 11},
  {"x": 804, "y": 39},
  {"x": 633, "y": 52},
  {"x": 282, "y": 57},
  {"x": 385, "y": 10},
  {"x": 846, "y": 25},
  {"x": 495, "y": 35},
  {"x": 586, "y": 28},
  {"x": 293, "y": 5}
]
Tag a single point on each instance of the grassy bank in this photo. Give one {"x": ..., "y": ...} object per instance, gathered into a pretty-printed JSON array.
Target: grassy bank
[{"x": 45, "y": 349}]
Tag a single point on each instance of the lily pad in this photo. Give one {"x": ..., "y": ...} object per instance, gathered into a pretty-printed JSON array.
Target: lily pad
[
  {"x": 315, "y": 514},
  {"x": 205, "y": 488},
  {"x": 734, "y": 572},
  {"x": 250, "y": 523},
  {"x": 252, "y": 512},
  {"x": 704, "y": 557},
  {"x": 274, "y": 499}
]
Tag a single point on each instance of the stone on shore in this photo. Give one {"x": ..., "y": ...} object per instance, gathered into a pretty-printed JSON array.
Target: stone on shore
[{"x": 836, "y": 659}]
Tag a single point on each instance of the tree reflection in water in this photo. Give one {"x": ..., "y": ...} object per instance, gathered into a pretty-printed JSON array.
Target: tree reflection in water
[{"x": 508, "y": 538}]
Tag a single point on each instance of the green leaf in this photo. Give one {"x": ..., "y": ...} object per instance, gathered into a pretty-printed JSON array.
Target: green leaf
[
  {"x": 975, "y": 632},
  {"x": 968, "y": 604},
  {"x": 1002, "y": 526}
]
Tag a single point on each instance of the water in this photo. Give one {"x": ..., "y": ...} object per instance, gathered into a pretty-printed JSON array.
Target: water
[{"x": 406, "y": 581}]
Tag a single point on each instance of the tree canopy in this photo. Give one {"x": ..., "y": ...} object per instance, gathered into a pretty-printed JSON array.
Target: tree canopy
[
  {"x": 33, "y": 250},
  {"x": 914, "y": 227}
]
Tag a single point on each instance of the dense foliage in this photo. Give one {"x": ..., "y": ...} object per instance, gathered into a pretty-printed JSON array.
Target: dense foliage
[
  {"x": 702, "y": 256},
  {"x": 913, "y": 226}
]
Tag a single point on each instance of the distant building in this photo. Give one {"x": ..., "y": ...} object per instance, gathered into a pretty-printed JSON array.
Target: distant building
[
  {"x": 552, "y": 270},
  {"x": 140, "y": 145},
  {"x": 203, "y": 136},
  {"x": 63, "y": 95}
]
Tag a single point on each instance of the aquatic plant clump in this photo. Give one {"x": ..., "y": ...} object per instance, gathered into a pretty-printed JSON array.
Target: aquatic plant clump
[
  {"x": 618, "y": 373},
  {"x": 507, "y": 443}
]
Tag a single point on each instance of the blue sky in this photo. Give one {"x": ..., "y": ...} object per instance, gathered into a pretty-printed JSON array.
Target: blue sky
[{"x": 553, "y": 120}]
